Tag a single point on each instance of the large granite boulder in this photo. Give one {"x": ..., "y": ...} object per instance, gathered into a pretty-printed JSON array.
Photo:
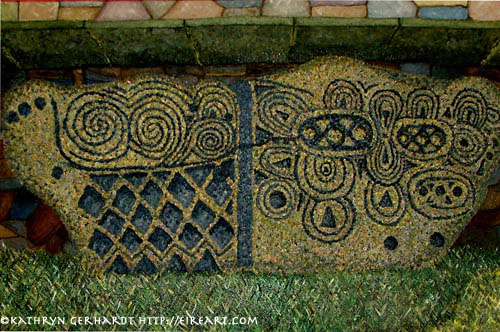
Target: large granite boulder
[{"x": 335, "y": 164}]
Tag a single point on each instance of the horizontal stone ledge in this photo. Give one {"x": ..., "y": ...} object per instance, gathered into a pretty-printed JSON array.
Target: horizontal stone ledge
[
  {"x": 300, "y": 21},
  {"x": 226, "y": 41}
]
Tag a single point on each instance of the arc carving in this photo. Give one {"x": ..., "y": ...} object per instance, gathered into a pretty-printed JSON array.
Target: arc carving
[{"x": 375, "y": 136}]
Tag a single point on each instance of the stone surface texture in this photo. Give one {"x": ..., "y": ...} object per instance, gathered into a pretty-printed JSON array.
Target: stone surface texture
[
  {"x": 388, "y": 9},
  {"x": 6, "y": 233},
  {"x": 484, "y": 10},
  {"x": 6, "y": 200},
  {"x": 445, "y": 13},
  {"x": 9, "y": 11},
  {"x": 195, "y": 9},
  {"x": 17, "y": 226},
  {"x": 286, "y": 8},
  {"x": 158, "y": 8},
  {"x": 81, "y": 3},
  {"x": 78, "y": 13},
  {"x": 239, "y": 3},
  {"x": 337, "y": 2},
  {"x": 123, "y": 11},
  {"x": 17, "y": 243},
  {"x": 250, "y": 11},
  {"x": 416, "y": 68},
  {"x": 437, "y": 3},
  {"x": 339, "y": 11},
  {"x": 38, "y": 11},
  {"x": 333, "y": 165}
]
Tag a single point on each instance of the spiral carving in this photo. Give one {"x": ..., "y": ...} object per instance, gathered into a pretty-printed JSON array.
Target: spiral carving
[
  {"x": 158, "y": 129},
  {"x": 212, "y": 138},
  {"x": 215, "y": 100},
  {"x": 97, "y": 127},
  {"x": 156, "y": 134}
]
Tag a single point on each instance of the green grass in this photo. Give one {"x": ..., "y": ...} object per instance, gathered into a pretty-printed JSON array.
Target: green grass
[{"x": 461, "y": 294}]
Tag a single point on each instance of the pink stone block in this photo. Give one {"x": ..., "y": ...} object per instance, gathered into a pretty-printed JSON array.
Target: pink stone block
[
  {"x": 123, "y": 11},
  {"x": 484, "y": 10},
  {"x": 195, "y": 9}
]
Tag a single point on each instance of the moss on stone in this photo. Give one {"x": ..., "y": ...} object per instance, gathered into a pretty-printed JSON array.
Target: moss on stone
[
  {"x": 450, "y": 43},
  {"x": 356, "y": 38},
  {"x": 65, "y": 44},
  {"x": 233, "y": 44}
]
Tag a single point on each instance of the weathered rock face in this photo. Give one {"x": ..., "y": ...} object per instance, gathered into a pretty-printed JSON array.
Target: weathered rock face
[{"x": 333, "y": 165}]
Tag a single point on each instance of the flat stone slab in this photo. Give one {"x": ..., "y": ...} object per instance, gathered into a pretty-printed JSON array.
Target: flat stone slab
[{"x": 333, "y": 165}]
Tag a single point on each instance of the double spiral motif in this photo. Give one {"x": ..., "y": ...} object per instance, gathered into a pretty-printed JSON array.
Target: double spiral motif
[{"x": 150, "y": 123}]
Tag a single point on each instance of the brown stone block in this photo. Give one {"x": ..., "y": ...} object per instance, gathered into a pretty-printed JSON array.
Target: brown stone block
[
  {"x": 492, "y": 200},
  {"x": 6, "y": 233},
  {"x": 78, "y": 77},
  {"x": 131, "y": 72},
  {"x": 485, "y": 219},
  {"x": 385, "y": 64},
  {"x": 49, "y": 74},
  {"x": 114, "y": 72},
  {"x": 6, "y": 200},
  {"x": 478, "y": 237},
  {"x": 2, "y": 148},
  {"x": 38, "y": 11},
  {"x": 54, "y": 244},
  {"x": 215, "y": 71},
  {"x": 339, "y": 11},
  {"x": 77, "y": 13},
  {"x": 42, "y": 224},
  {"x": 5, "y": 172}
]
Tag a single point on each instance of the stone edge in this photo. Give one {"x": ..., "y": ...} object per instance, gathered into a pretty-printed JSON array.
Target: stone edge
[{"x": 290, "y": 26}]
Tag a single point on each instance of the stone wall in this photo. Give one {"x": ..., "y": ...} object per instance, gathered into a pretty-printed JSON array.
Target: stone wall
[{"x": 192, "y": 9}]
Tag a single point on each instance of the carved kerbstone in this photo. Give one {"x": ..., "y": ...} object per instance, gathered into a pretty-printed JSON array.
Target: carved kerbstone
[{"x": 335, "y": 164}]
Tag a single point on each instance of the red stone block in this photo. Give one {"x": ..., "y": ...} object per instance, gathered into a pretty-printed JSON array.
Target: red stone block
[
  {"x": 386, "y": 64},
  {"x": 6, "y": 200},
  {"x": 486, "y": 219},
  {"x": 42, "y": 224},
  {"x": 54, "y": 244},
  {"x": 478, "y": 237},
  {"x": 473, "y": 71},
  {"x": 49, "y": 74}
]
